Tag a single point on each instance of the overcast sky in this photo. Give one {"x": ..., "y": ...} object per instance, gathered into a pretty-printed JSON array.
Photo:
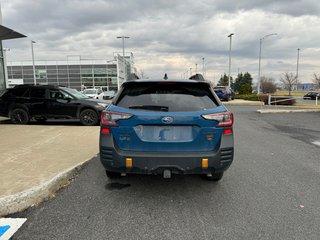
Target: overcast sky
[{"x": 172, "y": 36}]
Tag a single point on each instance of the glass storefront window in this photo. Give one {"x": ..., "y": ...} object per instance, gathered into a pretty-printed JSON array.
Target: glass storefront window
[{"x": 41, "y": 73}]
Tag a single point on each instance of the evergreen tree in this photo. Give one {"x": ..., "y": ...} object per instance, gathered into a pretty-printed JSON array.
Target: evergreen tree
[
  {"x": 242, "y": 79},
  {"x": 247, "y": 79},
  {"x": 224, "y": 80}
]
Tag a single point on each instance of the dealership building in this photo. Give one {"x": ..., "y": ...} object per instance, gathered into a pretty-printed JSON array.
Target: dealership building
[
  {"x": 75, "y": 72},
  {"x": 5, "y": 34}
]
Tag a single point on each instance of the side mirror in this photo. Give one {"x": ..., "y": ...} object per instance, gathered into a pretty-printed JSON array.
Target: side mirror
[{"x": 68, "y": 99}]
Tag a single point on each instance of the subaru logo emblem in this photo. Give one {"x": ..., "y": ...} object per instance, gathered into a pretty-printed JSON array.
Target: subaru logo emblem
[{"x": 167, "y": 120}]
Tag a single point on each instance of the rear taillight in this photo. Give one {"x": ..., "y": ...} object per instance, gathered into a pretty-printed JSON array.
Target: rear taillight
[
  {"x": 224, "y": 119},
  {"x": 111, "y": 118}
]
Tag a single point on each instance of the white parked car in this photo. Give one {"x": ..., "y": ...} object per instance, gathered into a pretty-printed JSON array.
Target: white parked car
[
  {"x": 93, "y": 93},
  {"x": 107, "y": 95}
]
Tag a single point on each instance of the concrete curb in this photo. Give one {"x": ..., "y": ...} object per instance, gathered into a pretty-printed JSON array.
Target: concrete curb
[
  {"x": 244, "y": 103},
  {"x": 35, "y": 195},
  {"x": 263, "y": 111}
]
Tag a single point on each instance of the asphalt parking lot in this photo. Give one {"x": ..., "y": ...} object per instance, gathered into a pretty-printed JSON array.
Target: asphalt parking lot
[{"x": 270, "y": 192}]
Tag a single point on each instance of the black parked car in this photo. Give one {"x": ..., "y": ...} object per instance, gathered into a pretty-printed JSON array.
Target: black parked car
[
  {"x": 41, "y": 102},
  {"x": 312, "y": 95}
]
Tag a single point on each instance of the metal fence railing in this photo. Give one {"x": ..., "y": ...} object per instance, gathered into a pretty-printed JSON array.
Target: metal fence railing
[{"x": 286, "y": 98}]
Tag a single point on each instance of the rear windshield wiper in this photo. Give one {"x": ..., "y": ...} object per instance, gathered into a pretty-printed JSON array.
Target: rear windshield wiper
[{"x": 151, "y": 107}]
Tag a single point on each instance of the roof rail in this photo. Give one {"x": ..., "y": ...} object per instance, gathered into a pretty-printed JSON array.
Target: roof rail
[
  {"x": 132, "y": 77},
  {"x": 197, "y": 76},
  {"x": 23, "y": 85},
  {"x": 36, "y": 85}
]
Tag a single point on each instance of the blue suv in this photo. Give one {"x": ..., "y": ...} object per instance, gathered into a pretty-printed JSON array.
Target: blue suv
[
  {"x": 166, "y": 127},
  {"x": 224, "y": 93}
]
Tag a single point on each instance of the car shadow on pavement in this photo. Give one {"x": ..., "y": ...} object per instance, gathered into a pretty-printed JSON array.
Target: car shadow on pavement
[{"x": 151, "y": 183}]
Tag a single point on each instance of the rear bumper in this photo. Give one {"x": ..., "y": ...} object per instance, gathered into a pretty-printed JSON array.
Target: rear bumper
[{"x": 114, "y": 160}]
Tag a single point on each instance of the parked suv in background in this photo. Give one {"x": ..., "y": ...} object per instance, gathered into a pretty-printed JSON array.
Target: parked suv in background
[
  {"x": 165, "y": 127},
  {"x": 41, "y": 102},
  {"x": 224, "y": 93}
]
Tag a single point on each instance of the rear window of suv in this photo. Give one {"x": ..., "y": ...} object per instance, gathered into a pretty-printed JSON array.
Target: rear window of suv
[
  {"x": 165, "y": 96},
  {"x": 16, "y": 92}
]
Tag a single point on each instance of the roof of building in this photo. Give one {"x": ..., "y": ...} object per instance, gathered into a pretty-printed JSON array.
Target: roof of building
[{"x": 7, "y": 33}]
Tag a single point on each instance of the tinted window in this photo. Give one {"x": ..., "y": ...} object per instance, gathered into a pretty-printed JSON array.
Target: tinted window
[
  {"x": 57, "y": 94},
  {"x": 219, "y": 91},
  {"x": 38, "y": 93},
  {"x": 74, "y": 93},
  {"x": 175, "y": 97},
  {"x": 16, "y": 92}
]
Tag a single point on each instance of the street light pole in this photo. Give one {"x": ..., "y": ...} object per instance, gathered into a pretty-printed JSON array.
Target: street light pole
[
  {"x": 190, "y": 72},
  {"x": 203, "y": 66},
  {"x": 196, "y": 68},
  {"x": 123, "y": 37},
  {"x": 4, "y": 55},
  {"x": 34, "y": 68},
  {"x": 230, "y": 36},
  {"x": 268, "y": 35},
  {"x": 298, "y": 58}
]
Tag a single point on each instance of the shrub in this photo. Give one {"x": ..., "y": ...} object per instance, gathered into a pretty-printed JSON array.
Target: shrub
[{"x": 245, "y": 89}]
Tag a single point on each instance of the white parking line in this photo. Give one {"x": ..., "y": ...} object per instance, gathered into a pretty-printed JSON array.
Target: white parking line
[
  {"x": 8, "y": 226},
  {"x": 316, "y": 143}
]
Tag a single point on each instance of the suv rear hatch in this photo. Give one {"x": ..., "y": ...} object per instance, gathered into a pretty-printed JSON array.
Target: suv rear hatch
[{"x": 165, "y": 116}]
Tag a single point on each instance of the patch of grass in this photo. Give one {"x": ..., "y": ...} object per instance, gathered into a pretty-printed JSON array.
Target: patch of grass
[{"x": 293, "y": 93}]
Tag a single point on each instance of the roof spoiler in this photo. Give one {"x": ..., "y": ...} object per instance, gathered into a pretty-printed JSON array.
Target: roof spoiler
[{"x": 197, "y": 77}]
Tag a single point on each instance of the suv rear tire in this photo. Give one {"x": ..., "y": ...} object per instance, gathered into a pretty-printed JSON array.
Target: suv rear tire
[
  {"x": 19, "y": 116},
  {"x": 89, "y": 117}
]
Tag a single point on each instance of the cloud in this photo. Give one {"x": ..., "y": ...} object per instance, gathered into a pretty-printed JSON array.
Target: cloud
[
  {"x": 289, "y": 7},
  {"x": 172, "y": 37}
]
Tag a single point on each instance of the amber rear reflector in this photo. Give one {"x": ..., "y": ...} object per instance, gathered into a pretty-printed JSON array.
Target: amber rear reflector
[
  {"x": 128, "y": 162},
  {"x": 205, "y": 163}
]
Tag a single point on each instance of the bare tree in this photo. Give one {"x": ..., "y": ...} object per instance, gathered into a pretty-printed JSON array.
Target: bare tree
[
  {"x": 268, "y": 85},
  {"x": 142, "y": 75},
  {"x": 289, "y": 80},
  {"x": 316, "y": 79}
]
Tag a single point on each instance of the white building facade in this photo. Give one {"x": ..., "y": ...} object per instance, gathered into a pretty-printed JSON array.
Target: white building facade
[{"x": 74, "y": 72}]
